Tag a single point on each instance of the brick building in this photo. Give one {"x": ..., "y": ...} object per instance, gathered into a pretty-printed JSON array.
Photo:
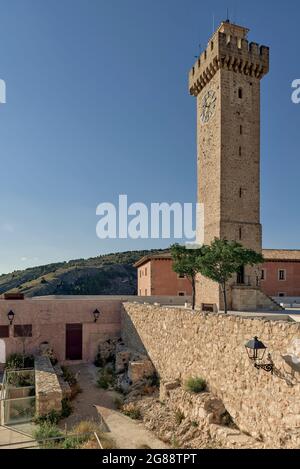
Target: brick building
[
  {"x": 157, "y": 278},
  {"x": 280, "y": 275}
]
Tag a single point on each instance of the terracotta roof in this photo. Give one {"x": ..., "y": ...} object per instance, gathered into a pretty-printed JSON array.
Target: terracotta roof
[
  {"x": 145, "y": 259},
  {"x": 269, "y": 255},
  {"x": 281, "y": 255}
]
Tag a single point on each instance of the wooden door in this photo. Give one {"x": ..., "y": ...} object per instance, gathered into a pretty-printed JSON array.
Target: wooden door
[{"x": 73, "y": 341}]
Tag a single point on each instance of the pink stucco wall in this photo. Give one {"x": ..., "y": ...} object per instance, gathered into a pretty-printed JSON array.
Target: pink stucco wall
[{"x": 49, "y": 318}]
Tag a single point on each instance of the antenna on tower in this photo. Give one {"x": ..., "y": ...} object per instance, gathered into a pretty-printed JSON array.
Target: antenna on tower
[
  {"x": 228, "y": 20},
  {"x": 197, "y": 56}
]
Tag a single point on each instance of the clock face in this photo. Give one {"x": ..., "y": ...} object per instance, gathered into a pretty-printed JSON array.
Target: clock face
[{"x": 208, "y": 106}]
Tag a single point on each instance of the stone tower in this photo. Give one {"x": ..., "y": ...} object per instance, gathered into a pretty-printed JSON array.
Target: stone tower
[{"x": 226, "y": 82}]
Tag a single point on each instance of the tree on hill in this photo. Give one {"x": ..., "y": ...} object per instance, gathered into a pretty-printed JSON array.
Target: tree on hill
[
  {"x": 186, "y": 262},
  {"x": 222, "y": 259}
]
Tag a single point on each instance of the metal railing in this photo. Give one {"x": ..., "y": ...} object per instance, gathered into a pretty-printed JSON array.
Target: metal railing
[{"x": 39, "y": 444}]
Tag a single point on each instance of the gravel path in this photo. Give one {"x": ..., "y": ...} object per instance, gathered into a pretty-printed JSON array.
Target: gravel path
[{"x": 91, "y": 396}]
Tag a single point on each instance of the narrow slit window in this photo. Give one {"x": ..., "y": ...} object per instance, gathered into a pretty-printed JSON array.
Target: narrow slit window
[
  {"x": 241, "y": 192},
  {"x": 240, "y": 234},
  {"x": 240, "y": 93},
  {"x": 240, "y": 151},
  {"x": 241, "y": 130}
]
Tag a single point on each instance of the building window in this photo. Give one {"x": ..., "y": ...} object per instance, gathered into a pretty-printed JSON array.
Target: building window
[
  {"x": 24, "y": 330},
  {"x": 181, "y": 293},
  {"x": 240, "y": 151},
  {"x": 263, "y": 274},
  {"x": 241, "y": 192},
  {"x": 180, "y": 276},
  {"x": 282, "y": 275},
  {"x": 4, "y": 332},
  {"x": 240, "y": 93},
  {"x": 240, "y": 234},
  {"x": 241, "y": 130},
  {"x": 146, "y": 271},
  {"x": 281, "y": 295},
  {"x": 212, "y": 45}
]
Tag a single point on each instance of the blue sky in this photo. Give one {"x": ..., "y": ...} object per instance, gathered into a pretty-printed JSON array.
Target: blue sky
[{"x": 98, "y": 105}]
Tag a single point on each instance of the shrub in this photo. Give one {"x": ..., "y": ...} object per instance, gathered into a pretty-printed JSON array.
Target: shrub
[
  {"x": 47, "y": 430},
  {"x": 68, "y": 375},
  {"x": 132, "y": 411},
  {"x": 179, "y": 417},
  {"x": 66, "y": 408},
  {"x": 106, "y": 378},
  {"x": 50, "y": 419},
  {"x": 18, "y": 361},
  {"x": 196, "y": 385},
  {"x": 86, "y": 426}
]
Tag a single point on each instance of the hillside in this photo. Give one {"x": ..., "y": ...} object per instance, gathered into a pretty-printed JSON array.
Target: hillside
[{"x": 110, "y": 274}]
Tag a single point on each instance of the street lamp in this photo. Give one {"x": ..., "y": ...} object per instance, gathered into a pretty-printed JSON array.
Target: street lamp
[
  {"x": 256, "y": 351},
  {"x": 11, "y": 316},
  {"x": 96, "y": 314}
]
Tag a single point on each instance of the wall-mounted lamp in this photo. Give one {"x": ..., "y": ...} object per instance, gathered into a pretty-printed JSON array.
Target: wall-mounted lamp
[
  {"x": 11, "y": 316},
  {"x": 96, "y": 315},
  {"x": 256, "y": 351}
]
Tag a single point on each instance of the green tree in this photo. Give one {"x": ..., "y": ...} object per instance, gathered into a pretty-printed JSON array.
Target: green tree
[
  {"x": 222, "y": 259},
  {"x": 186, "y": 262}
]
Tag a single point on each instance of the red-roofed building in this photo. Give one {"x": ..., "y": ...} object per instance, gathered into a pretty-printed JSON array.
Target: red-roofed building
[{"x": 280, "y": 275}]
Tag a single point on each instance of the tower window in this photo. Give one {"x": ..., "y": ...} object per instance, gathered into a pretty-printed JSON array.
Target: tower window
[
  {"x": 241, "y": 130},
  {"x": 193, "y": 70},
  {"x": 212, "y": 45},
  {"x": 282, "y": 275},
  {"x": 205, "y": 54},
  {"x": 241, "y": 192},
  {"x": 240, "y": 93},
  {"x": 240, "y": 234},
  {"x": 240, "y": 151},
  {"x": 263, "y": 274}
]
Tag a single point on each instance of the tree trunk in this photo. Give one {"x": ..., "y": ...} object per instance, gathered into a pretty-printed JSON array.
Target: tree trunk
[
  {"x": 225, "y": 298},
  {"x": 194, "y": 292}
]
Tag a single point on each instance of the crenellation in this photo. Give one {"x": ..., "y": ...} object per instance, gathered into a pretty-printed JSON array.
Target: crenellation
[
  {"x": 232, "y": 52},
  {"x": 254, "y": 48},
  {"x": 245, "y": 45}
]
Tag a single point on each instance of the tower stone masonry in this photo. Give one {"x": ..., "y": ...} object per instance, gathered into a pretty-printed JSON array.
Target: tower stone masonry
[{"x": 226, "y": 82}]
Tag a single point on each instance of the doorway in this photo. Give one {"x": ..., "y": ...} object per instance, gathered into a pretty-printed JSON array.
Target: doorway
[
  {"x": 73, "y": 341},
  {"x": 241, "y": 276}
]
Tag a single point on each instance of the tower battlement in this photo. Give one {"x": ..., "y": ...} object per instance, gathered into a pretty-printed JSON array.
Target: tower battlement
[{"x": 229, "y": 49}]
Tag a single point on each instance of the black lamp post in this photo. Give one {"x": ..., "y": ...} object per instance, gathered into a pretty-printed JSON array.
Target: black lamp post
[
  {"x": 96, "y": 314},
  {"x": 256, "y": 351},
  {"x": 11, "y": 316}
]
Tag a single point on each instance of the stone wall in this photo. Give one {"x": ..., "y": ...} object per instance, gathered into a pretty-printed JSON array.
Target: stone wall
[
  {"x": 47, "y": 388},
  {"x": 182, "y": 344}
]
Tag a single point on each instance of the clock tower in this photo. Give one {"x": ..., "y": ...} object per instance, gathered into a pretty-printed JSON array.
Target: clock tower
[{"x": 226, "y": 82}]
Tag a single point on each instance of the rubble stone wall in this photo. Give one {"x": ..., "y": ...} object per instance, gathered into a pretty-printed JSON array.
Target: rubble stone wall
[{"x": 181, "y": 344}]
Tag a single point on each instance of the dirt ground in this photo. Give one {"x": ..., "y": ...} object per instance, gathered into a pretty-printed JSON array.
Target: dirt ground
[{"x": 91, "y": 396}]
